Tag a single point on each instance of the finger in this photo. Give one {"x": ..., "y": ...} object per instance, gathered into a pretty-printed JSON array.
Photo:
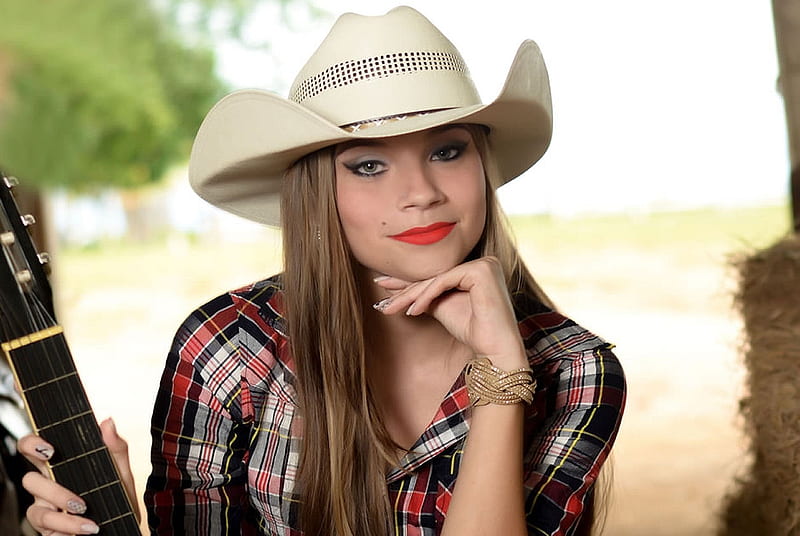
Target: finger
[
  {"x": 400, "y": 301},
  {"x": 482, "y": 278},
  {"x": 118, "y": 448},
  {"x": 116, "y": 445},
  {"x": 438, "y": 286},
  {"x": 46, "y": 520},
  {"x": 52, "y": 493},
  {"x": 37, "y": 451},
  {"x": 391, "y": 283}
]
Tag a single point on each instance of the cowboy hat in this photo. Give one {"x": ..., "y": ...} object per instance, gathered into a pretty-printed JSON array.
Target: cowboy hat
[{"x": 371, "y": 77}]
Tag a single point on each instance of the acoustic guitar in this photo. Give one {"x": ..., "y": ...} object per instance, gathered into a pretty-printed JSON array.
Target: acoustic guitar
[{"x": 56, "y": 402}]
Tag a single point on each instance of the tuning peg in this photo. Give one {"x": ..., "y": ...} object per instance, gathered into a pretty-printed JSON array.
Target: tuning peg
[
  {"x": 7, "y": 238},
  {"x": 10, "y": 181},
  {"x": 23, "y": 276},
  {"x": 44, "y": 260},
  {"x": 28, "y": 220}
]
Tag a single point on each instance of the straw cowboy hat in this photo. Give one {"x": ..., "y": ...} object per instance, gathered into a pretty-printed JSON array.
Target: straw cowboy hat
[{"x": 371, "y": 77}]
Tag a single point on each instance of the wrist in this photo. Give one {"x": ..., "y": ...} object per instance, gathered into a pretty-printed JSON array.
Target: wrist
[
  {"x": 511, "y": 359},
  {"x": 489, "y": 384}
]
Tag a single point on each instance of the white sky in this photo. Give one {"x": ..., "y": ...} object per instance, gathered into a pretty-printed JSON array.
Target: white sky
[{"x": 657, "y": 104}]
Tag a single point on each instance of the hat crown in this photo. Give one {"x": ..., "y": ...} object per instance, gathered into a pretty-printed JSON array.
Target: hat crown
[
  {"x": 370, "y": 67},
  {"x": 367, "y": 69}
]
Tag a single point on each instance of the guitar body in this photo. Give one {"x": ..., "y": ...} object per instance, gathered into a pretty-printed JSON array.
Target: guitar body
[{"x": 38, "y": 354}]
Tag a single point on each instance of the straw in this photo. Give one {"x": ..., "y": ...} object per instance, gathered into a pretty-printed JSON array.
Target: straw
[{"x": 766, "y": 500}]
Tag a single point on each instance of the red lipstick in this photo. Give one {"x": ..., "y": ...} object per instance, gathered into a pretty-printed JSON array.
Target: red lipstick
[{"x": 422, "y": 236}]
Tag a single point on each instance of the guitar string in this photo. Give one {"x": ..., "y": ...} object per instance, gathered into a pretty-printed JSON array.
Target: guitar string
[
  {"x": 34, "y": 317},
  {"x": 109, "y": 503},
  {"x": 37, "y": 316}
]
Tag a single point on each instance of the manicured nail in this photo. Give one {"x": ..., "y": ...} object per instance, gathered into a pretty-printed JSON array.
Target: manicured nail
[
  {"x": 76, "y": 507},
  {"x": 410, "y": 309},
  {"x": 45, "y": 452},
  {"x": 90, "y": 528},
  {"x": 380, "y": 278},
  {"x": 383, "y": 304}
]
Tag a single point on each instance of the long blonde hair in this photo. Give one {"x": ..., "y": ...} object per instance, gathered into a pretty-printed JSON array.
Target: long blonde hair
[{"x": 346, "y": 448}]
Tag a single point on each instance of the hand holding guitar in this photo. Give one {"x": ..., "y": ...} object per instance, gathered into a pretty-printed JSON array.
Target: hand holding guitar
[
  {"x": 57, "y": 510},
  {"x": 69, "y": 446}
]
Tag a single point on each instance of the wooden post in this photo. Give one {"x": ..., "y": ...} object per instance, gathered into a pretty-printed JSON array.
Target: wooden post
[
  {"x": 786, "y": 16},
  {"x": 794, "y": 199},
  {"x": 764, "y": 500}
]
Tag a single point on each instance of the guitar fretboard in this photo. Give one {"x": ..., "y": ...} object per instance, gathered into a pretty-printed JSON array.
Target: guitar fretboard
[{"x": 61, "y": 414}]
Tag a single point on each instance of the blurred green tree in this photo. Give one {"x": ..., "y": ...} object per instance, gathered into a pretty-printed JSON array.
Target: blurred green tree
[
  {"x": 97, "y": 93},
  {"x": 227, "y": 19},
  {"x": 109, "y": 93}
]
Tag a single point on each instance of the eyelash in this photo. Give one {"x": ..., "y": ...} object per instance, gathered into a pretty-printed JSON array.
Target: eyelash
[
  {"x": 445, "y": 153},
  {"x": 458, "y": 147},
  {"x": 357, "y": 168}
]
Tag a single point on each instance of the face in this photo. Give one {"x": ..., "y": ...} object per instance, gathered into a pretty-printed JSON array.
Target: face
[{"x": 411, "y": 206}]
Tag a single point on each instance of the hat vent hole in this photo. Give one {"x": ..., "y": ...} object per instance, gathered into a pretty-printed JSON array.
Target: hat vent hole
[{"x": 351, "y": 71}]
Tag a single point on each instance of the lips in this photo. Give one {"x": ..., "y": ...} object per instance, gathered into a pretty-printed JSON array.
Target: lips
[{"x": 422, "y": 236}]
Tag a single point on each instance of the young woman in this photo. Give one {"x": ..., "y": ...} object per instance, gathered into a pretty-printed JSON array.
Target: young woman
[{"x": 404, "y": 374}]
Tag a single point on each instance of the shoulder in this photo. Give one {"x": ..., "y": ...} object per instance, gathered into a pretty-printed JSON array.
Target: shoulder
[
  {"x": 257, "y": 307},
  {"x": 261, "y": 302},
  {"x": 548, "y": 334},
  {"x": 239, "y": 335}
]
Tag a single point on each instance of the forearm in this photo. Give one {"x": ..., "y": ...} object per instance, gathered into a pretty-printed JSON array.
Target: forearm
[{"x": 488, "y": 496}]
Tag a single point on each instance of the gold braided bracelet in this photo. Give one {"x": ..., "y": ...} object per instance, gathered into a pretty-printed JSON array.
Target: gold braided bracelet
[{"x": 487, "y": 384}]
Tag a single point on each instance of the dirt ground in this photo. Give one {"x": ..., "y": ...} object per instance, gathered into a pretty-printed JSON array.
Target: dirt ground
[{"x": 680, "y": 445}]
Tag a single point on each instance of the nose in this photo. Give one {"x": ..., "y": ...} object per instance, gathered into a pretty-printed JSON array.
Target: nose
[{"x": 419, "y": 188}]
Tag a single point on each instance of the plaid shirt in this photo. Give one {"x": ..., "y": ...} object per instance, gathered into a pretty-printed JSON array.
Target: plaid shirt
[{"x": 226, "y": 429}]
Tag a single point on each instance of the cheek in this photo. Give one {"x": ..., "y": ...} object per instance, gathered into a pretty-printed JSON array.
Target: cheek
[
  {"x": 475, "y": 204},
  {"x": 473, "y": 197},
  {"x": 479, "y": 209},
  {"x": 354, "y": 213},
  {"x": 345, "y": 203},
  {"x": 348, "y": 211},
  {"x": 480, "y": 190}
]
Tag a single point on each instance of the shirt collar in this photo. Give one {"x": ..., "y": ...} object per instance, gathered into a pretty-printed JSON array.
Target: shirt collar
[{"x": 448, "y": 427}]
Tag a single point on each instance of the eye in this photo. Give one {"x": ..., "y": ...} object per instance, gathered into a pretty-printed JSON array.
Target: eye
[
  {"x": 366, "y": 168},
  {"x": 451, "y": 151}
]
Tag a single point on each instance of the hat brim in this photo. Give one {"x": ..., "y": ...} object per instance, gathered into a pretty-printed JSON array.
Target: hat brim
[{"x": 249, "y": 139}]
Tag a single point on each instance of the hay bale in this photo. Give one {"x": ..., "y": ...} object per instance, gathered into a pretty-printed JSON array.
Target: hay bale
[{"x": 767, "y": 499}]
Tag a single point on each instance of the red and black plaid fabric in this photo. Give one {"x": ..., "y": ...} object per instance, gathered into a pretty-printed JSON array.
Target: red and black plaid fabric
[{"x": 227, "y": 432}]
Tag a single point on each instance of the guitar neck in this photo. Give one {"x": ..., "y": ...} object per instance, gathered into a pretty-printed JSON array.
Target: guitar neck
[{"x": 61, "y": 414}]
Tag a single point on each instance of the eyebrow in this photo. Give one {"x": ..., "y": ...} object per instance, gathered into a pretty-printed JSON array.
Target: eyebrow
[
  {"x": 377, "y": 142},
  {"x": 345, "y": 145}
]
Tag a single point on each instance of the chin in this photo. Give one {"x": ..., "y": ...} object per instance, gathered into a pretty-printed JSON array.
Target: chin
[
  {"x": 416, "y": 266},
  {"x": 420, "y": 269}
]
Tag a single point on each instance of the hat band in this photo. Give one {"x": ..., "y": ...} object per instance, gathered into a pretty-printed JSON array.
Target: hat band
[
  {"x": 378, "y": 121},
  {"x": 352, "y": 71}
]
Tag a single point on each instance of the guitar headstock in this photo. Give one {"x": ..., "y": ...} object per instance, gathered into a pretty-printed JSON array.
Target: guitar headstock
[{"x": 25, "y": 296}]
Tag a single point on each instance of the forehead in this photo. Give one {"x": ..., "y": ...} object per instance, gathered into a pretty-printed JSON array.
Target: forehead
[{"x": 389, "y": 141}]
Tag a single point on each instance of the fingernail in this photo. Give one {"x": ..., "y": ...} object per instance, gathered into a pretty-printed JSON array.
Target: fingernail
[
  {"x": 76, "y": 507},
  {"x": 380, "y": 278},
  {"x": 90, "y": 528},
  {"x": 383, "y": 304},
  {"x": 45, "y": 452},
  {"x": 410, "y": 309}
]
